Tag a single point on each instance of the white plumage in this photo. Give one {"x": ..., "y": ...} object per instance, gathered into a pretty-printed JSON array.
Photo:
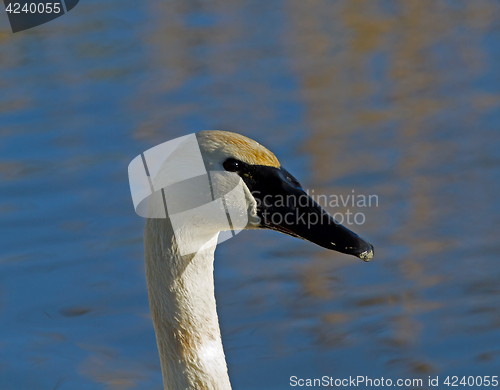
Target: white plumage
[{"x": 181, "y": 288}]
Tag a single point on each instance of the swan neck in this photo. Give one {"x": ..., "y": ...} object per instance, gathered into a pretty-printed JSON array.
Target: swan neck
[{"x": 183, "y": 309}]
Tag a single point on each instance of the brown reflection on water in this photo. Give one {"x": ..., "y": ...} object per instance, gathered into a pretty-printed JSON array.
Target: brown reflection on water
[
  {"x": 107, "y": 368},
  {"x": 184, "y": 50},
  {"x": 377, "y": 92}
]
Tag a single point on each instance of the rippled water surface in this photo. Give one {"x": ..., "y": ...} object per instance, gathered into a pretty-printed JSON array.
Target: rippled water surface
[{"x": 400, "y": 99}]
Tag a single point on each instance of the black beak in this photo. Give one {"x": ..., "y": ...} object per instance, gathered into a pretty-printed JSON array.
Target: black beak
[{"x": 283, "y": 205}]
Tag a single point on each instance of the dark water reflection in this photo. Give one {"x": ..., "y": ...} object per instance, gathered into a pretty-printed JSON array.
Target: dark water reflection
[{"x": 395, "y": 98}]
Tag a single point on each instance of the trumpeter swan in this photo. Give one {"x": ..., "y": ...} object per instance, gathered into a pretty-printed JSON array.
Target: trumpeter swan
[{"x": 181, "y": 286}]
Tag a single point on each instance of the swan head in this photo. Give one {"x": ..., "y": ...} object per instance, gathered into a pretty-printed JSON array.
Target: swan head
[{"x": 273, "y": 198}]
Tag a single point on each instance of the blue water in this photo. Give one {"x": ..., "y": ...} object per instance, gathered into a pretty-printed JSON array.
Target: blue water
[{"x": 400, "y": 99}]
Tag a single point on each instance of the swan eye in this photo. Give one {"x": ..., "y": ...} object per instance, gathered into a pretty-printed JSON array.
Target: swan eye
[{"x": 231, "y": 165}]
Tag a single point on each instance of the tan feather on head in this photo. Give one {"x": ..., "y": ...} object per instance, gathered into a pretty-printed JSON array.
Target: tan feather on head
[{"x": 242, "y": 148}]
